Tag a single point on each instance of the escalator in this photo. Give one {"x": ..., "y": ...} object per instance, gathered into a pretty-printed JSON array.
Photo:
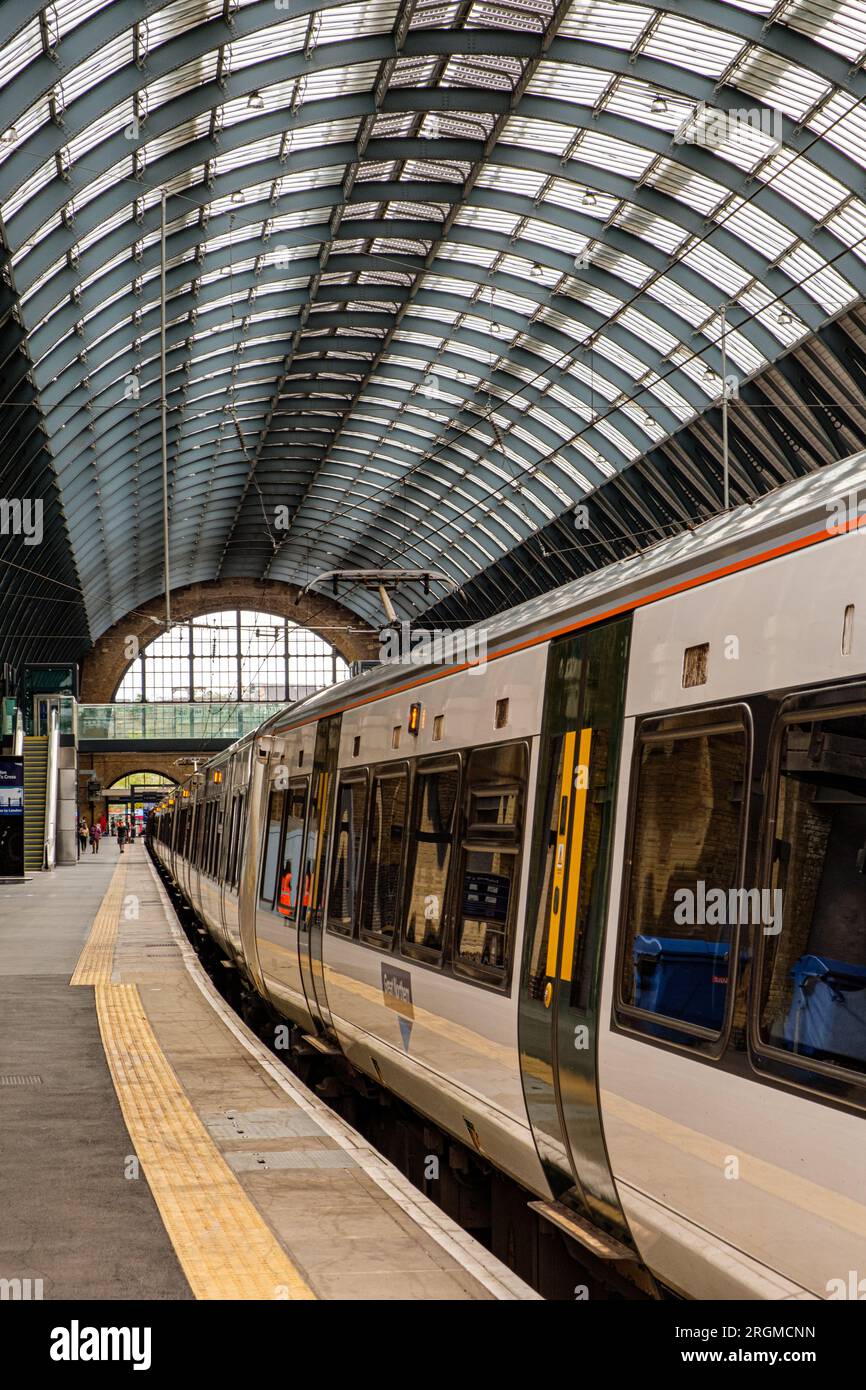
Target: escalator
[{"x": 35, "y": 785}]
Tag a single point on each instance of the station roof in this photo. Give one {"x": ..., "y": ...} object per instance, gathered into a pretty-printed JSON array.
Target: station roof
[{"x": 436, "y": 274}]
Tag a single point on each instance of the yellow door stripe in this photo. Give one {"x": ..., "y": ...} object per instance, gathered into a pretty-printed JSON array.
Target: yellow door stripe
[
  {"x": 226, "y": 1249},
  {"x": 576, "y": 854},
  {"x": 96, "y": 961},
  {"x": 563, "y": 812}
]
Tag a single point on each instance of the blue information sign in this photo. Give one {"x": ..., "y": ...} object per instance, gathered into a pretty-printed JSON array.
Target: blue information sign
[{"x": 11, "y": 817}]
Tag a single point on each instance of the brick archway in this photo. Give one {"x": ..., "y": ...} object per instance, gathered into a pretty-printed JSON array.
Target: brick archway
[
  {"x": 105, "y": 665},
  {"x": 110, "y": 767}
]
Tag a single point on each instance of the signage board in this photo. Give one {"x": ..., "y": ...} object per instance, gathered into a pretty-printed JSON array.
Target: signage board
[{"x": 11, "y": 817}]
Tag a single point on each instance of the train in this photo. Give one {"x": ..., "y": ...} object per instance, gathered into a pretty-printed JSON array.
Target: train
[{"x": 587, "y": 892}]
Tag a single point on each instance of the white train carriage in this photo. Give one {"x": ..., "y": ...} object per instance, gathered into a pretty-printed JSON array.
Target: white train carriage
[{"x": 596, "y": 904}]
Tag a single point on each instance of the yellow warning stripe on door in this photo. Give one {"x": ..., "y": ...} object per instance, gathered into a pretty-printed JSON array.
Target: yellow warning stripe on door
[
  {"x": 563, "y": 814},
  {"x": 581, "y": 787},
  {"x": 225, "y": 1248}
]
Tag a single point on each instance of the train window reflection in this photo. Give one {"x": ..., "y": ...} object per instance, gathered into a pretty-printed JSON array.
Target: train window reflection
[
  {"x": 385, "y": 857},
  {"x": 814, "y": 969},
  {"x": 431, "y": 845},
  {"x": 273, "y": 826},
  {"x": 346, "y": 865},
  {"x": 294, "y": 887},
  {"x": 682, "y": 898},
  {"x": 496, "y": 782}
]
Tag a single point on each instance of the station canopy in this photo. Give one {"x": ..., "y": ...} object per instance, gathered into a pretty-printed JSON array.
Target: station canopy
[{"x": 438, "y": 276}]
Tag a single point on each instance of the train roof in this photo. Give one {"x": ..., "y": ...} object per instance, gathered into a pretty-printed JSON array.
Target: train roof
[{"x": 793, "y": 515}]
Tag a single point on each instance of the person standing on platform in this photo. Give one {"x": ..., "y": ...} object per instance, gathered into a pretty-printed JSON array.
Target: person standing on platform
[
  {"x": 121, "y": 834},
  {"x": 82, "y": 837},
  {"x": 95, "y": 837}
]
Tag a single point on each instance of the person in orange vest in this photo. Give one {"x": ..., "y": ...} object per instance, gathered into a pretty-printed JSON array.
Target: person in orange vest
[{"x": 285, "y": 903}]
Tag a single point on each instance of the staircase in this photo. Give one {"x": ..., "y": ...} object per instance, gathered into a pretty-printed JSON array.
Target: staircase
[{"x": 35, "y": 779}]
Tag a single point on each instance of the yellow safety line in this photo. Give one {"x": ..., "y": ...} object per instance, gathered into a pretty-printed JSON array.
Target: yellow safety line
[
  {"x": 96, "y": 962},
  {"x": 226, "y": 1249},
  {"x": 576, "y": 856},
  {"x": 224, "y": 1246}
]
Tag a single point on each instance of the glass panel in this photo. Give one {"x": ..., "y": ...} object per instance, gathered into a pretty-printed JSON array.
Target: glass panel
[
  {"x": 272, "y": 847},
  {"x": 382, "y": 881},
  {"x": 496, "y": 780},
  {"x": 682, "y": 898},
  {"x": 433, "y": 827},
  {"x": 346, "y": 868},
  {"x": 292, "y": 889},
  {"x": 814, "y": 979}
]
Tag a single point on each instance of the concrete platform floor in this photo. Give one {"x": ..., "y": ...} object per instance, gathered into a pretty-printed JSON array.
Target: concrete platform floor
[{"x": 153, "y": 1148}]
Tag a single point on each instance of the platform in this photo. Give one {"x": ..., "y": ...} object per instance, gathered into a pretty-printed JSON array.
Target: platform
[{"x": 154, "y": 1148}]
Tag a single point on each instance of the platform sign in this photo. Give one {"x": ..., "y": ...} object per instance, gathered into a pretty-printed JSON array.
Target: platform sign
[{"x": 11, "y": 817}]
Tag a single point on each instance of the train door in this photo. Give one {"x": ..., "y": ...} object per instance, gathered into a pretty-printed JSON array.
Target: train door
[
  {"x": 313, "y": 882},
  {"x": 561, "y": 980}
]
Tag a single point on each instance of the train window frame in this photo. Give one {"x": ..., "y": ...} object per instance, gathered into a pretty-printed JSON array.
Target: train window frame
[
  {"x": 262, "y": 903},
  {"x": 389, "y": 771},
  {"x": 493, "y": 977},
  {"x": 302, "y": 780},
  {"x": 424, "y": 767},
  {"x": 630, "y": 1018},
  {"x": 823, "y": 1079},
  {"x": 348, "y": 778}
]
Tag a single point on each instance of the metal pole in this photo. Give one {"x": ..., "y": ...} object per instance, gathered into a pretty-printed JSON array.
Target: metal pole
[
  {"x": 164, "y": 413},
  {"x": 725, "y": 461}
]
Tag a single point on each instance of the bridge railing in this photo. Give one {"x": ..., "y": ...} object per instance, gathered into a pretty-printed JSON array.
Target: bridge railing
[{"x": 166, "y": 722}]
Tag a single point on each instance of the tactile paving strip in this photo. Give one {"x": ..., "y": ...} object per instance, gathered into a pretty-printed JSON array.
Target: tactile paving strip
[{"x": 225, "y": 1247}]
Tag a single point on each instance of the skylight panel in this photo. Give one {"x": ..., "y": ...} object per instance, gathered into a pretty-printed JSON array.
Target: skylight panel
[
  {"x": 693, "y": 46},
  {"x": 555, "y": 81},
  {"x": 774, "y": 82},
  {"x": 604, "y": 21},
  {"x": 839, "y": 26}
]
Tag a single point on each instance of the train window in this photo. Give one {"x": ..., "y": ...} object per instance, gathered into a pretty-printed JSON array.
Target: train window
[
  {"x": 682, "y": 893},
  {"x": 431, "y": 846},
  {"x": 490, "y": 859},
  {"x": 237, "y": 840},
  {"x": 381, "y": 893},
  {"x": 813, "y": 975},
  {"x": 347, "y": 860},
  {"x": 292, "y": 890},
  {"x": 271, "y": 855}
]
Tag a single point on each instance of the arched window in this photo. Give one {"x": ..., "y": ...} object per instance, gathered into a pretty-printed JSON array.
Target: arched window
[
  {"x": 142, "y": 779},
  {"x": 233, "y": 655}
]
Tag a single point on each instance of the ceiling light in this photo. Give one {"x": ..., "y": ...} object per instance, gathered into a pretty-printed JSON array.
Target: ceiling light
[
  {"x": 659, "y": 106},
  {"x": 9, "y": 136},
  {"x": 589, "y": 199},
  {"x": 537, "y": 271},
  {"x": 785, "y": 317},
  {"x": 237, "y": 197},
  {"x": 256, "y": 101}
]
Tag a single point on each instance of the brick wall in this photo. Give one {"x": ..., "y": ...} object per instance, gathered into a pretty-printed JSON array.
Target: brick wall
[{"x": 103, "y": 668}]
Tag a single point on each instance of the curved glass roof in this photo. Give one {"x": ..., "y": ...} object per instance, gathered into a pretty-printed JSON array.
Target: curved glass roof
[{"x": 436, "y": 272}]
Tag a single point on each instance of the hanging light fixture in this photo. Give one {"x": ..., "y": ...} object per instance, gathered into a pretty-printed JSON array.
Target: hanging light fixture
[
  {"x": 785, "y": 317},
  {"x": 255, "y": 101},
  {"x": 659, "y": 106},
  {"x": 589, "y": 200},
  {"x": 536, "y": 271},
  {"x": 237, "y": 197}
]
